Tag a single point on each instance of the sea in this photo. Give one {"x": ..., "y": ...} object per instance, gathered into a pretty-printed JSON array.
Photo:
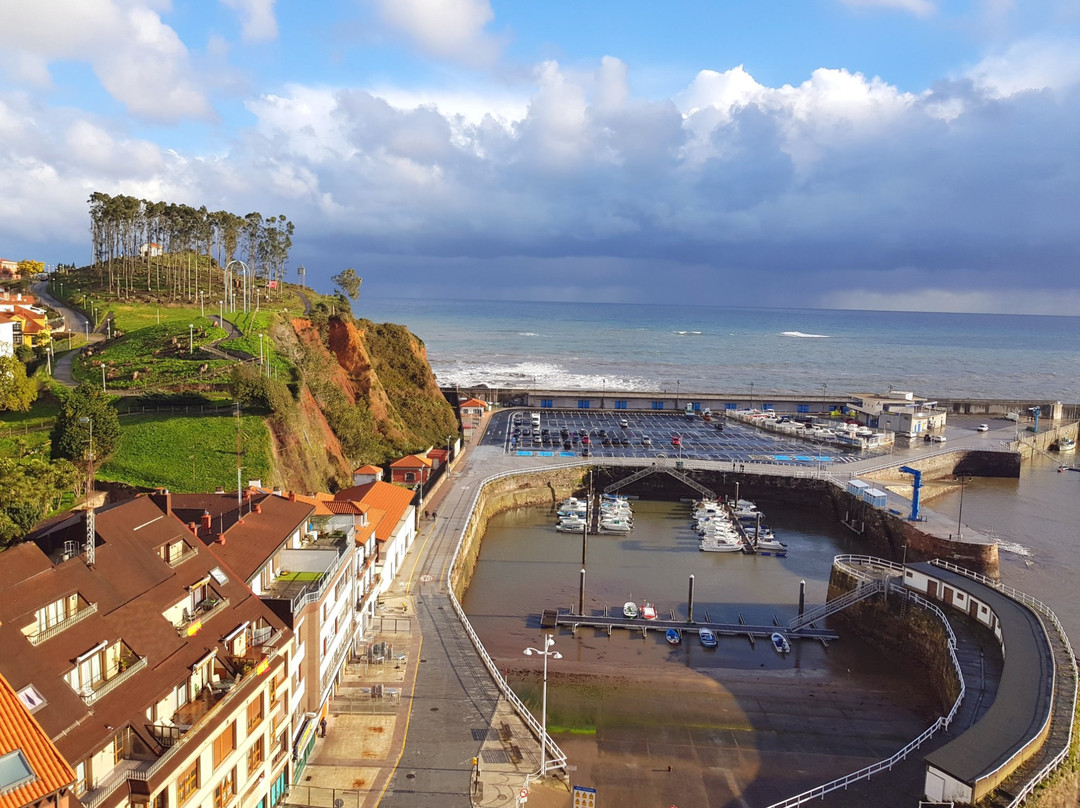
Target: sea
[{"x": 593, "y": 345}]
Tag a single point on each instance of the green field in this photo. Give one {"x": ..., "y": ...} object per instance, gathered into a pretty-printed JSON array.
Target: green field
[{"x": 189, "y": 454}]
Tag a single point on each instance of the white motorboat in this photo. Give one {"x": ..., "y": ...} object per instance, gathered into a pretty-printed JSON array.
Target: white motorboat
[
  {"x": 713, "y": 544},
  {"x": 780, "y": 643},
  {"x": 630, "y": 609},
  {"x": 616, "y": 525},
  {"x": 571, "y": 527}
]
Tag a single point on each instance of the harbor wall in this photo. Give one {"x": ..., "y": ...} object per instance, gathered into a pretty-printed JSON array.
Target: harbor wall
[
  {"x": 517, "y": 491},
  {"x": 884, "y": 533},
  {"x": 911, "y": 633}
]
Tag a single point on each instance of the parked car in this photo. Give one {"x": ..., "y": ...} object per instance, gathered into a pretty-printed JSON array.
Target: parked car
[
  {"x": 646, "y": 440},
  {"x": 676, "y": 441},
  {"x": 937, "y": 438},
  {"x": 982, "y": 428},
  {"x": 624, "y": 423}
]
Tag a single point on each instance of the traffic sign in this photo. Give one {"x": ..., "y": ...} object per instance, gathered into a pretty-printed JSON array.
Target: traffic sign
[
  {"x": 584, "y": 797},
  {"x": 524, "y": 793}
]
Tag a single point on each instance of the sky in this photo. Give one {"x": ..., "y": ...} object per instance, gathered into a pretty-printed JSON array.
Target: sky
[{"x": 871, "y": 154}]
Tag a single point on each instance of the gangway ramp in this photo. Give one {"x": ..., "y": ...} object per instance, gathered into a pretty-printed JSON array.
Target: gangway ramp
[
  {"x": 864, "y": 590},
  {"x": 674, "y": 472}
]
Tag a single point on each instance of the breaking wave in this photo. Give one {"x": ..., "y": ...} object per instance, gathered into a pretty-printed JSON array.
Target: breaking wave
[{"x": 801, "y": 335}]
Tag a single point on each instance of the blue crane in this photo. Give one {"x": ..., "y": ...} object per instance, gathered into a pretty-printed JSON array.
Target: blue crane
[{"x": 916, "y": 484}]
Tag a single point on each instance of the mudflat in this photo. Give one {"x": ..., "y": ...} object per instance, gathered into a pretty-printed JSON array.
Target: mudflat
[{"x": 643, "y": 737}]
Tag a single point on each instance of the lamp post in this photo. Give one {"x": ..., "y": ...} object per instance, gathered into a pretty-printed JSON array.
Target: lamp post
[
  {"x": 959, "y": 516},
  {"x": 103, "y": 377},
  {"x": 221, "y": 313},
  {"x": 191, "y": 338},
  {"x": 677, "y": 383},
  {"x": 548, "y": 642},
  {"x": 202, "y": 302},
  {"x": 751, "y": 395},
  {"x": 824, "y": 403}
]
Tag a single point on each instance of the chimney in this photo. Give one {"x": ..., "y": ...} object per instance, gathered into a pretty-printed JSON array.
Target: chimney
[
  {"x": 220, "y": 538},
  {"x": 206, "y": 520},
  {"x": 219, "y": 490},
  {"x": 277, "y": 492},
  {"x": 258, "y": 507},
  {"x": 193, "y": 528},
  {"x": 163, "y": 499},
  {"x": 292, "y": 496}
]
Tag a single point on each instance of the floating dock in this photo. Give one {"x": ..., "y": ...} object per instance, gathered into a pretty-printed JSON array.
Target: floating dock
[{"x": 558, "y": 618}]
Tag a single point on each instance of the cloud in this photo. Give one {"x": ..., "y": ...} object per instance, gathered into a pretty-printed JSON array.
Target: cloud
[
  {"x": 445, "y": 29},
  {"x": 139, "y": 59},
  {"x": 257, "y": 19}
]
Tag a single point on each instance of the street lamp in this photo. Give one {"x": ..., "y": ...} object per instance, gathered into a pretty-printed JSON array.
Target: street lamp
[
  {"x": 963, "y": 479},
  {"x": 221, "y": 313},
  {"x": 191, "y": 338},
  {"x": 824, "y": 403},
  {"x": 677, "y": 383},
  {"x": 751, "y": 395},
  {"x": 548, "y": 642}
]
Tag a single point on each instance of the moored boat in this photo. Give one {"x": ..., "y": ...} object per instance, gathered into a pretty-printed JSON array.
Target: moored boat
[
  {"x": 708, "y": 639},
  {"x": 673, "y": 636},
  {"x": 1066, "y": 444},
  {"x": 630, "y": 610},
  {"x": 780, "y": 643},
  {"x": 648, "y": 611}
]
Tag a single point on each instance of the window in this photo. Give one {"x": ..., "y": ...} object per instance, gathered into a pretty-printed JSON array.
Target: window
[
  {"x": 731, "y": 405},
  {"x": 658, "y": 405},
  {"x": 583, "y": 404},
  {"x": 224, "y": 744},
  {"x": 181, "y": 695},
  {"x": 255, "y": 713},
  {"x": 255, "y": 757},
  {"x": 80, "y": 779},
  {"x": 226, "y": 789},
  {"x": 802, "y": 408},
  {"x": 56, "y": 612},
  {"x": 410, "y": 476},
  {"x": 547, "y": 403},
  {"x": 620, "y": 405},
  {"x": 188, "y": 784},
  {"x": 118, "y": 747},
  {"x": 161, "y": 800}
]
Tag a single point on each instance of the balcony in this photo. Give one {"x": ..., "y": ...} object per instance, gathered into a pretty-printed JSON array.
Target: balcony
[
  {"x": 309, "y": 570},
  {"x": 119, "y": 674},
  {"x": 179, "y": 558},
  {"x": 84, "y": 612},
  {"x": 192, "y": 621}
]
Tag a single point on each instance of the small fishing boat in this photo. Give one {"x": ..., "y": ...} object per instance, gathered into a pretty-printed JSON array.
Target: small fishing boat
[
  {"x": 770, "y": 542},
  {"x": 570, "y": 527},
  {"x": 673, "y": 636},
  {"x": 630, "y": 610},
  {"x": 708, "y": 639},
  {"x": 780, "y": 643},
  {"x": 719, "y": 544},
  {"x": 1066, "y": 444},
  {"x": 648, "y": 611},
  {"x": 616, "y": 525}
]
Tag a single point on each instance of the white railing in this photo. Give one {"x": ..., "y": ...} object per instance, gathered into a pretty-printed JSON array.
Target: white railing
[
  {"x": 1041, "y": 608},
  {"x": 66, "y": 623},
  {"x": 556, "y": 758},
  {"x": 941, "y": 723}
]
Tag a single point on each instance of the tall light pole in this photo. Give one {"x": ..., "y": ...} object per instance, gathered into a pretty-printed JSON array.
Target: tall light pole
[
  {"x": 751, "y": 395},
  {"x": 824, "y": 403},
  {"x": 959, "y": 516},
  {"x": 548, "y": 642},
  {"x": 677, "y": 383},
  {"x": 221, "y": 313},
  {"x": 191, "y": 338}
]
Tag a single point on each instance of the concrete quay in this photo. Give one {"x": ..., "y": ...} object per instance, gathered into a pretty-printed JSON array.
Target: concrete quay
[{"x": 443, "y": 734}]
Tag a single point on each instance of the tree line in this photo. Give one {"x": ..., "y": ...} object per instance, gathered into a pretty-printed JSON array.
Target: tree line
[{"x": 124, "y": 228}]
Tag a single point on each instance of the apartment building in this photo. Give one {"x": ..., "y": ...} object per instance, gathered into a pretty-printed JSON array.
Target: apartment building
[
  {"x": 154, "y": 669},
  {"x": 33, "y": 773}
]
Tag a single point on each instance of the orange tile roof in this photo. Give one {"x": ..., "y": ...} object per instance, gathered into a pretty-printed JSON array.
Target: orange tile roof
[
  {"x": 379, "y": 496},
  {"x": 411, "y": 462},
  {"x": 473, "y": 402},
  {"x": 368, "y": 469},
  {"x": 20, "y": 730}
]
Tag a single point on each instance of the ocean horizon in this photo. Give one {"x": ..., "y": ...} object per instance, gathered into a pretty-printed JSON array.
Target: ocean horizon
[{"x": 591, "y": 345}]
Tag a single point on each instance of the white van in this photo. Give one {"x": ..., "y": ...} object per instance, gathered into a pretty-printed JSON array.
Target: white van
[{"x": 536, "y": 419}]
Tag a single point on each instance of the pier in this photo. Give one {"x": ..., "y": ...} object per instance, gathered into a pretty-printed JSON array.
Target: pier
[{"x": 557, "y": 618}]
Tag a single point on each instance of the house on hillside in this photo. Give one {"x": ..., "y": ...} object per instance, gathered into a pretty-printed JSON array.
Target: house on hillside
[
  {"x": 10, "y": 334},
  {"x": 410, "y": 470},
  {"x": 151, "y": 250},
  {"x": 9, "y": 269},
  {"x": 472, "y": 408},
  {"x": 366, "y": 474},
  {"x": 34, "y": 322}
]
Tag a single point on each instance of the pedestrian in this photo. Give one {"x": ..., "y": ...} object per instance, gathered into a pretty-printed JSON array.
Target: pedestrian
[{"x": 322, "y": 726}]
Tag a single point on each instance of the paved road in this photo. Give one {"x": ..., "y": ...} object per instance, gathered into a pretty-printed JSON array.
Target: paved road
[{"x": 74, "y": 322}]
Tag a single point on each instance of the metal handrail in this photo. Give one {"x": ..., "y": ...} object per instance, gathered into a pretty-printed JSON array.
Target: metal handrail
[
  {"x": 941, "y": 723},
  {"x": 556, "y": 757},
  {"x": 1041, "y": 608},
  {"x": 66, "y": 623}
]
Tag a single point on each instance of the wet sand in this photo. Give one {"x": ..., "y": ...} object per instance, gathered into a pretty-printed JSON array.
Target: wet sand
[{"x": 731, "y": 737}]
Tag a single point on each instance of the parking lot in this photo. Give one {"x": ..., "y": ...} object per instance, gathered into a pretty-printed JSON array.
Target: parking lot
[{"x": 600, "y": 434}]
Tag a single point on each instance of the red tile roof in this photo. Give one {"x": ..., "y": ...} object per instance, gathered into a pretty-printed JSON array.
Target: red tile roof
[
  {"x": 20, "y": 730},
  {"x": 473, "y": 402},
  {"x": 411, "y": 462},
  {"x": 368, "y": 469},
  {"x": 393, "y": 500}
]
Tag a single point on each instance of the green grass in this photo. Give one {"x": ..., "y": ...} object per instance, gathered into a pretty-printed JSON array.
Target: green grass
[
  {"x": 160, "y": 355},
  {"x": 252, "y": 324},
  {"x": 189, "y": 454}
]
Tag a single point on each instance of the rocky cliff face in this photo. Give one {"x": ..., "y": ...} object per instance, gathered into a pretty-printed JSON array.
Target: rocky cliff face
[{"x": 367, "y": 395}]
